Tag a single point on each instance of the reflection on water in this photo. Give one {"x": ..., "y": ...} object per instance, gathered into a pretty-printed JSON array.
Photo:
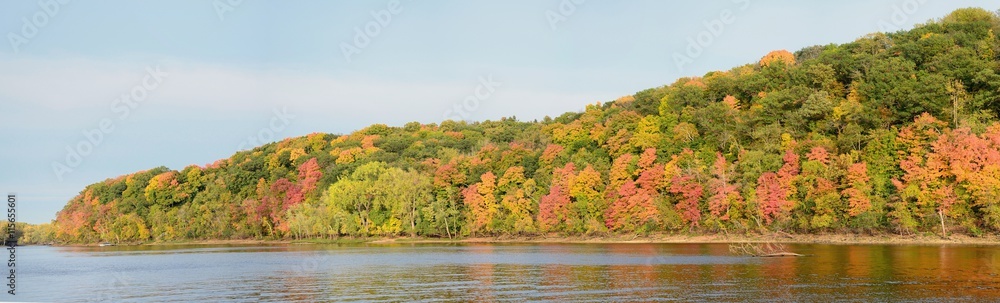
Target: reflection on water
[{"x": 508, "y": 272}]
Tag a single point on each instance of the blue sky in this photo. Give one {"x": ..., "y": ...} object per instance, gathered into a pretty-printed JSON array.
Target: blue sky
[{"x": 272, "y": 69}]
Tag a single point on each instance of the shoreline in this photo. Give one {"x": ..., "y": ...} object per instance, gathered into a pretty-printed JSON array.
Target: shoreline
[{"x": 836, "y": 239}]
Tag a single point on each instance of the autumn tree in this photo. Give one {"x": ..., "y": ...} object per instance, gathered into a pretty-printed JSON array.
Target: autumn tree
[
  {"x": 163, "y": 189},
  {"x": 589, "y": 204},
  {"x": 554, "y": 208},
  {"x": 922, "y": 189},
  {"x": 480, "y": 198},
  {"x": 858, "y": 190},
  {"x": 724, "y": 193},
  {"x": 354, "y": 197},
  {"x": 445, "y": 211},
  {"x": 621, "y": 171},
  {"x": 822, "y": 206},
  {"x": 516, "y": 192},
  {"x": 777, "y": 56},
  {"x": 632, "y": 210},
  {"x": 647, "y": 133},
  {"x": 407, "y": 194},
  {"x": 772, "y": 199},
  {"x": 689, "y": 192},
  {"x": 309, "y": 175}
]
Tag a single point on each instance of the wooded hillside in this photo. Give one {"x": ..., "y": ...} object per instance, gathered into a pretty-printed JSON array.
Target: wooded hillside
[{"x": 894, "y": 132}]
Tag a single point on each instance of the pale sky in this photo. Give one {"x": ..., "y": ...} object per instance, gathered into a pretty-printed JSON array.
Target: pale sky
[{"x": 201, "y": 77}]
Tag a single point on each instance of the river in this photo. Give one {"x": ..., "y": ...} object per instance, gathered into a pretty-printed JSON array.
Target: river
[{"x": 504, "y": 272}]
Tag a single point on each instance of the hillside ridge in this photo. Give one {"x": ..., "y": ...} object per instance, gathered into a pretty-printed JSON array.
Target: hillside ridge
[{"x": 894, "y": 132}]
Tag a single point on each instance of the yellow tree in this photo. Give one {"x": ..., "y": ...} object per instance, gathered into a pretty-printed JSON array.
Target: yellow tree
[
  {"x": 647, "y": 134},
  {"x": 587, "y": 192},
  {"x": 778, "y": 56},
  {"x": 480, "y": 198},
  {"x": 515, "y": 212}
]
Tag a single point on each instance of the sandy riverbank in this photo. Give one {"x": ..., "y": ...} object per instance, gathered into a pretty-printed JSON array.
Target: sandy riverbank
[
  {"x": 719, "y": 238},
  {"x": 891, "y": 239}
]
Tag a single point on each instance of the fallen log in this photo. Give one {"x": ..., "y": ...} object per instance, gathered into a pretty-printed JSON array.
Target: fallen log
[
  {"x": 783, "y": 254},
  {"x": 767, "y": 249}
]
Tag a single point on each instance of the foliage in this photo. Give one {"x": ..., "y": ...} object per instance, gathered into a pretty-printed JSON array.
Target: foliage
[{"x": 891, "y": 132}]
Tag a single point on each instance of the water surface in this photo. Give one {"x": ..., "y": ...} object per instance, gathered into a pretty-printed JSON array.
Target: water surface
[{"x": 505, "y": 272}]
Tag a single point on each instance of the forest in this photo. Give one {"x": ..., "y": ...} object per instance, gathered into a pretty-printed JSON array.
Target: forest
[{"x": 893, "y": 133}]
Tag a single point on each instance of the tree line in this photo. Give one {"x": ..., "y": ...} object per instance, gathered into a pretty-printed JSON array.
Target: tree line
[{"x": 893, "y": 132}]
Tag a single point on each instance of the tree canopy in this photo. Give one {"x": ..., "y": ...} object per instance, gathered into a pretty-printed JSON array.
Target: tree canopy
[{"x": 893, "y": 132}]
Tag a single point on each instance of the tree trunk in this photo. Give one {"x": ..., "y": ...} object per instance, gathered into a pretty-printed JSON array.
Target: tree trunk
[
  {"x": 446, "y": 228},
  {"x": 782, "y": 254},
  {"x": 413, "y": 221},
  {"x": 944, "y": 234}
]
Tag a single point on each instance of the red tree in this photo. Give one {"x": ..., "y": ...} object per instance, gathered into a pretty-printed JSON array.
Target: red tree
[
  {"x": 723, "y": 192},
  {"x": 283, "y": 195},
  {"x": 647, "y": 158},
  {"x": 309, "y": 174},
  {"x": 553, "y": 208},
  {"x": 818, "y": 154},
  {"x": 858, "y": 189},
  {"x": 482, "y": 203},
  {"x": 651, "y": 179},
  {"x": 632, "y": 208},
  {"x": 771, "y": 197},
  {"x": 790, "y": 170},
  {"x": 690, "y": 191}
]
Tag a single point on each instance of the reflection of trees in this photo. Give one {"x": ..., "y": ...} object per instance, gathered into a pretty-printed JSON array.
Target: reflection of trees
[
  {"x": 556, "y": 278},
  {"x": 829, "y": 272},
  {"x": 483, "y": 274},
  {"x": 637, "y": 280},
  {"x": 778, "y": 275},
  {"x": 297, "y": 286},
  {"x": 621, "y": 272},
  {"x": 883, "y": 272}
]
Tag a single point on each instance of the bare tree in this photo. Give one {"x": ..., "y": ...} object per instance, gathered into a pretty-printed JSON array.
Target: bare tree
[{"x": 761, "y": 249}]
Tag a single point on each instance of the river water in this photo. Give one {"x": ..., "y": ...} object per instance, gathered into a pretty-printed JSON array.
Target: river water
[{"x": 504, "y": 272}]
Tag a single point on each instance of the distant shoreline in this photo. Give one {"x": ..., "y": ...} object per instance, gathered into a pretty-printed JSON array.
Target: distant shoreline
[
  {"x": 840, "y": 239},
  {"x": 847, "y": 239}
]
